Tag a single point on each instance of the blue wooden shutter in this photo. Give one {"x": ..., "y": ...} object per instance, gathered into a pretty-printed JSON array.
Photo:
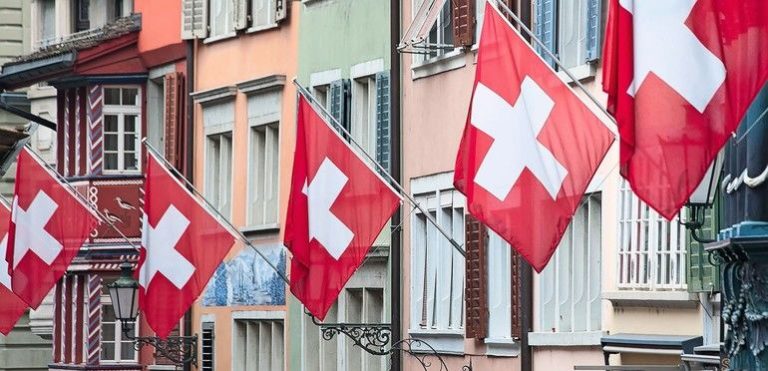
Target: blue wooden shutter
[
  {"x": 383, "y": 120},
  {"x": 546, "y": 28},
  {"x": 338, "y": 97},
  {"x": 594, "y": 15}
]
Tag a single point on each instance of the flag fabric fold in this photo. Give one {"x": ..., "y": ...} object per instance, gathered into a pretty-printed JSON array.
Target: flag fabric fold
[{"x": 11, "y": 307}]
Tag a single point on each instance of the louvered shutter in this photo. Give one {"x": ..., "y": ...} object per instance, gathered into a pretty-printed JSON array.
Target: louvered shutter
[
  {"x": 174, "y": 118},
  {"x": 463, "y": 22},
  {"x": 338, "y": 97},
  {"x": 546, "y": 28},
  {"x": 282, "y": 9},
  {"x": 594, "y": 15},
  {"x": 240, "y": 9},
  {"x": 383, "y": 120},
  {"x": 476, "y": 276},
  {"x": 194, "y": 19},
  {"x": 516, "y": 295}
]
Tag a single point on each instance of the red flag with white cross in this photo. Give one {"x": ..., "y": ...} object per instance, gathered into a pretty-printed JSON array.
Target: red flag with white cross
[
  {"x": 182, "y": 245},
  {"x": 680, "y": 75},
  {"x": 11, "y": 307},
  {"x": 530, "y": 146},
  {"x": 49, "y": 225},
  {"x": 337, "y": 207}
]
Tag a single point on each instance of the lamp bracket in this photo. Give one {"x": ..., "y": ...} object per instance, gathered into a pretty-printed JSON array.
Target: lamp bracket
[{"x": 180, "y": 350}]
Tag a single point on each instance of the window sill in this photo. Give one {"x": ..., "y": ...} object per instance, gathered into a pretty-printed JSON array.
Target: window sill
[
  {"x": 581, "y": 73},
  {"x": 664, "y": 299},
  {"x": 561, "y": 339},
  {"x": 261, "y": 229},
  {"x": 265, "y": 27},
  {"x": 213, "y": 39},
  {"x": 502, "y": 347},
  {"x": 444, "y": 342},
  {"x": 452, "y": 60}
]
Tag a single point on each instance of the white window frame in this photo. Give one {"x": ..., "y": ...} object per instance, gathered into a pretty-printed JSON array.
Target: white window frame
[
  {"x": 258, "y": 187},
  {"x": 213, "y": 21},
  {"x": 270, "y": 317},
  {"x": 121, "y": 111},
  {"x": 445, "y": 326},
  {"x": 271, "y": 16},
  {"x": 631, "y": 253},
  {"x": 569, "y": 288},
  {"x": 106, "y": 300},
  {"x": 499, "y": 255},
  {"x": 363, "y": 123},
  {"x": 213, "y": 184}
]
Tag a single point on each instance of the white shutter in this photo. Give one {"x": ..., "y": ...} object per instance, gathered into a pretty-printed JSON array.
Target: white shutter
[
  {"x": 194, "y": 19},
  {"x": 240, "y": 8},
  {"x": 281, "y": 9}
]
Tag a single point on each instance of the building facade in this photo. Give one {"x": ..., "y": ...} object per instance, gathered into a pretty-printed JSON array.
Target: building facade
[
  {"x": 244, "y": 105},
  {"x": 107, "y": 73}
]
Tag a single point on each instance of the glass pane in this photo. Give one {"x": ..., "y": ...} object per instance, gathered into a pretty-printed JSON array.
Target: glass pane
[
  {"x": 129, "y": 97},
  {"x": 108, "y": 351},
  {"x": 127, "y": 351},
  {"x": 130, "y": 123},
  {"x": 110, "y": 123},
  {"x": 108, "y": 331},
  {"x": 110, "y": 161},
  {"x": 129, "y": 142},
  {"x": 112, "y": 96},
  {"x": 130, "y": 161},
  {"x": 110, "y": 142}
]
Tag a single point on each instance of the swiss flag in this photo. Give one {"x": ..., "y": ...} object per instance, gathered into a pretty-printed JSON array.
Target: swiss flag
[
  {"x": 530, "y": 146},
  {"x": 182, "y": 245},
  {"x": 11, "y": 307},
  {"x": 49, "y": 225},
  {"x": 337, "y": 207},
  {"x": 680, "y": 76}
]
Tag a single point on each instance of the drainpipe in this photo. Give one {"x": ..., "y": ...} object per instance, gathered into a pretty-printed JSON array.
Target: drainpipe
[
  {"x": 189, "y": 165},
  {"x": 396, "y": 243},
  {"x": 526, "y": 353}
]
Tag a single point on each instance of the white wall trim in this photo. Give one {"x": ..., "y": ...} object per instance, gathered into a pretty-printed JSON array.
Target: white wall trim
[
  {"x": 161, "y": 71},
  {"x": 443, "y": 342},
  {"x": 642, "y": 298},
  {"x": 585, "y": 338},
  {"x": 429, "y": 183},
  {"x": 452, "y": 60},
  {"x": 366, "y": 68},
  {"x": 324, "y": 77},
  {"x": 258, "y": 314}
]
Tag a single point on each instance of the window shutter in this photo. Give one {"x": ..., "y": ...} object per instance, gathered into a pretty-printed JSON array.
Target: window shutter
[
  {"x": 476, "y": 286},
  {"x": 516, "y": 270},
  {"x": 240, "y": 8},
  {"x": 207, "y": 354},
  {"x": 382, "y": 120},
  {"x": 194, "y": 19},
  {"x": 174, "y": 119},
  {"x": 593, "y": 30},
  {"x": 463, "y": 22},
  {"x": 546, "y": 28},
  {"x": 702, "y": 275},
  {"x": 339, "y": 102},
  {"x": 282, "y": 8}
]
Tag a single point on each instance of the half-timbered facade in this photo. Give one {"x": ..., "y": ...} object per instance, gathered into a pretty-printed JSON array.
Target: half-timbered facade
[{"x": 116, "y": 74}]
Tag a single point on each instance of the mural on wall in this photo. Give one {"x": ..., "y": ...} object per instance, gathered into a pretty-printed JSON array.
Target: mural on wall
[{"x": 248, "y": 280}]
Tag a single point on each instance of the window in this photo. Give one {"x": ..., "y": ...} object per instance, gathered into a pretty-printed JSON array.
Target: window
[
  {"x": 115, "y": 346},
  {"x": 570, "y": 29},
  {"x": 437, "y": 279},
  {"x": 263, "y": 119},
  {"x": 263, "y": 13},
  {"x": 363, "y": 128},
  {"x": 651, "y": 249},
  {"x": 440, "y": 38},
  {"x": 207, "y": 347},
  {"x": 47, "y": 22},
  {"x": 122, "y": 129},
  {"x": 82, "y": 11},
  {"x": 218, "y": 120},
  {"x": 221, "y": 20},
  {"x": 258, "y": 345},
  {"x": 569, "y": 287},
  {"x": 499, "y": 288},
  {"x": 319, "y": 354}
]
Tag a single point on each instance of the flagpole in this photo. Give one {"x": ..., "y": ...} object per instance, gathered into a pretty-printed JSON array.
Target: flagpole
[
  {"x": 82, "y": 198},
  {"x": 555, "y": 59},
  {"x": 212, "y": 209},
  {"x": 381, "y": 169}
]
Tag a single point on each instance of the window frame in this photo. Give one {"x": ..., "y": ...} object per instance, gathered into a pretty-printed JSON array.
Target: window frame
[
  {"x": 216, "y": 129},
  {"x": 272, "y": 16},
  {"x": 106, "y": 301},
  {"x": 258, "y": 316},
  {"x": 121, "y": 111},
  {"x": 213, "y": 21},
  {"x": 267, "y": 121}
]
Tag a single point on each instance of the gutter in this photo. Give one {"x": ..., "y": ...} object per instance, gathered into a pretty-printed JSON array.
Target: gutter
[{"x": 396, "y": 246}]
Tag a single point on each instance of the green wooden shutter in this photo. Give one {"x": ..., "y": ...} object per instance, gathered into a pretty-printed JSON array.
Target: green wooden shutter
[
  {"x": 702, "y": 275},
  {"x": 383, "y": 120},
  {"x": 593, "y": 29},
  {"x": 546, "y": 28},
  {"x": 338, "y": 98}
]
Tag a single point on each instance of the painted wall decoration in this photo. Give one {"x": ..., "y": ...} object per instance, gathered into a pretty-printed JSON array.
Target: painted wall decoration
[{"x": 248, "y": 280}]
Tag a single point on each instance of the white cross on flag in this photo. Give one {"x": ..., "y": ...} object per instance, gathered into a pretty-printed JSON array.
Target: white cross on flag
[
  {"x": 182, "y": 245},
  {"x": 530, "y": 147},
  {"x": 49, "y": 225},
  {"x": 11, "y": 307},
  {"x": 337, "y": 207}
]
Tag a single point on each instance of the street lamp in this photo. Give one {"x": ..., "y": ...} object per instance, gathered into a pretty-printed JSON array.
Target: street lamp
[
  {"x": 124, "y": 293},
  {"x": 703, "y": 197}
]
